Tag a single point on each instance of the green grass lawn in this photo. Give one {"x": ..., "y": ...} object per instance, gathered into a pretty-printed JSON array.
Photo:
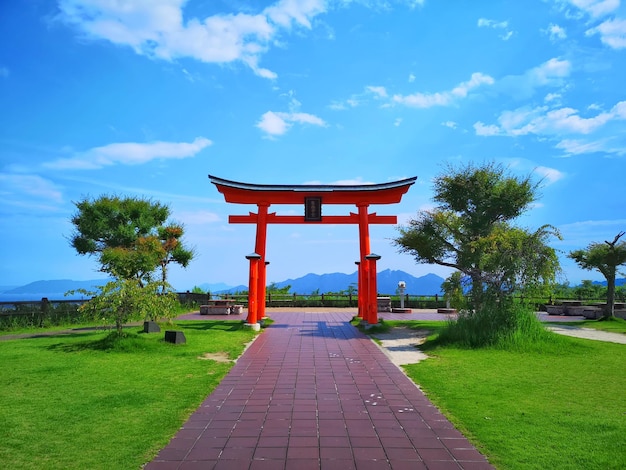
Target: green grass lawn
[
  {"x": 85, "y": 402},
  {"x": 560, "y": 408}
]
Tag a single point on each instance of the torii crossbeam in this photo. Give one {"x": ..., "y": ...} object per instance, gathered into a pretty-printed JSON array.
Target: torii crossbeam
[{"x": 313, "y": 198}]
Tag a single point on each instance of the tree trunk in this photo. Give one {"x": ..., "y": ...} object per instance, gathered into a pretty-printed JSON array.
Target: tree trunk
[
  {"x": 477, "y": 293},
  {"x": 163, "y": 276},
  {"x": 609, "y": 311}
]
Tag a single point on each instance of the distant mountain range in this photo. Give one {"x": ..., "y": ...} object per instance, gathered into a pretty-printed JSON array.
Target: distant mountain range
[
  {"x": 429, "y": 284},
  {"x": 54, "y": 290},
  {"x": 387, "y": 283},
  {"x": 388, "y": 279},
  {"x": 618, "y": 282}
]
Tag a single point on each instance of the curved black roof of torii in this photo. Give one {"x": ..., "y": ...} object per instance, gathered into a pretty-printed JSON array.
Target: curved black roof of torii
[
  {"x": 312, "y": 187},
  {"x": 247, "y": 193}
]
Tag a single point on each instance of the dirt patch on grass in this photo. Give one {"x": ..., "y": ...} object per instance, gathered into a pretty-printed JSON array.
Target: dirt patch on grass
[
  {"x": 217, "y": 357},
  {"x": 401, "y": 345}
]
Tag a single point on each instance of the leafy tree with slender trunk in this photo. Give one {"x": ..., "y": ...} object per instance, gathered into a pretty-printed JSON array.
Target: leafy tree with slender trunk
[
  {"x": 131, "y": 240},
  {"x": 123, "y": 300},
  {"x": 470, "y": 230},
  {"x": 128, "y": 236},
  {"x": 605, "y": 257},
  {"x": 173, "y": 250}
]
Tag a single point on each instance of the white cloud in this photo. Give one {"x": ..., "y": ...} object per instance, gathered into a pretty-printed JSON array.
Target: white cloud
[
  {"x": 551, "y": 73},
  {"x": 612, "y": 33},
  {"x": 20, "y": 185},
  {"x": 552, "y": 97},
  {"x": 159, "y": 28},
  {"x": 542, "y": 120},
  {"x": 486, "y": 130},
  {"x": 278, "y": 123},
  {"x": 271, "y": 123},
  {"x": 579, "y": 146},
  {"x": 130, "y": 153},
  {"x": 445, "y": 98},
  {"x": 550, "y": 175},
  {"x": 555, "y": 32},
  {"x": 568, "y": 120},
  {"x": 411, "y": 78},
  {"x": 377, "y": 90},
  {"x": 338, "y": 105},
  {"x": 596, "y": 8},
  {"x": 305, "y": 118},
  {"x": 397, "y": 122},
  {"x": 486, "y": 23},
  {"x": 450, "y": 124},
  {"x": 564, "y": 124},
  {"x": 415, "y": 3}
]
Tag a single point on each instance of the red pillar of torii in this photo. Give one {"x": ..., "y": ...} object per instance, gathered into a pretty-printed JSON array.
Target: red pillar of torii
[{"x": 312, "y": 198}]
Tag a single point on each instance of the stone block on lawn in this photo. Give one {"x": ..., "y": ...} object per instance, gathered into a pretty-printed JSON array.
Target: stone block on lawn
[
  {"x": 176, "y": 337},
  {"x": 151, "y": 327}
]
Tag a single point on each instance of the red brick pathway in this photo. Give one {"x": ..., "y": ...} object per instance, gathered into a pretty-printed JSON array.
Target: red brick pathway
[{"x": 312, "y": 392}]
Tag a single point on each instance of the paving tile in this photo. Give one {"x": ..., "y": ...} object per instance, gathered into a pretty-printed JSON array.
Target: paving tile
[
  {"x": 312, "y": 392},
  {"x": 278, "y": 441},
  {"x": 267, "y": 465},
  {"x": 273, "y": 453},
  {"x": 407, "y": 465},
  {"x": 304, "y": 441},
  {"x": 171, "y": 455},
  {"x": 344, "y": 453},
  {"x": 337, "y": 464},
  {"x": 369, "y": 453},
  {"x": 300, "y": 464},
  {"x": 204, "y": 453},
  {"x": 334, "y": 441},
  {"x": 435, "y": 454},
  {"x": 402, "y": 453},
  {"x": 162, "y": 465},
  {"x": 230, "y": 465}
]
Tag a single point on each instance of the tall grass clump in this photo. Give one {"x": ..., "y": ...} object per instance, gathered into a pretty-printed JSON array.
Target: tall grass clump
[{"x": 509, "y": 326}]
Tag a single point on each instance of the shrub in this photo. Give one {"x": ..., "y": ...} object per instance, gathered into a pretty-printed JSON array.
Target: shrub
[{"x": 506, "y": 326}]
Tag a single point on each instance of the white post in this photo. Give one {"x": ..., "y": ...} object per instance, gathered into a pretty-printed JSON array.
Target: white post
[{"x": 401, "y": 288}]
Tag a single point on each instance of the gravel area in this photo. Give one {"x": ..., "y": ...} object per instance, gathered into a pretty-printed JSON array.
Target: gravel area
[
  {"x": 589, "y": 333},
  {"x": 401, "y": 345}
]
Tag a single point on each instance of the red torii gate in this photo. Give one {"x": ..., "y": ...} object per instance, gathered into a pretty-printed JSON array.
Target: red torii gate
[{"x": 312, "y": 197}]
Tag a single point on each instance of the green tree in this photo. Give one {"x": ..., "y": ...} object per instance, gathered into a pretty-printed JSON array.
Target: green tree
[
  {"x": 587, "y": 290},
  {"x": 123, "y": 300},
  {"x": 605, "y": 257},
  {"x": 274, "y": 289},
  {"x": 470, "y": 230},
  {"x": 128, "y": 236},
  {"x": 172, "y": 248},
  {"x": 352, "y": 288},
  {"x": 453, "y": 290}
]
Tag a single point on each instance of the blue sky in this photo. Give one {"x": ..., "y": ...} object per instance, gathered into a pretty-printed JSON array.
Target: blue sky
[{"x": 147, "y": 97}]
